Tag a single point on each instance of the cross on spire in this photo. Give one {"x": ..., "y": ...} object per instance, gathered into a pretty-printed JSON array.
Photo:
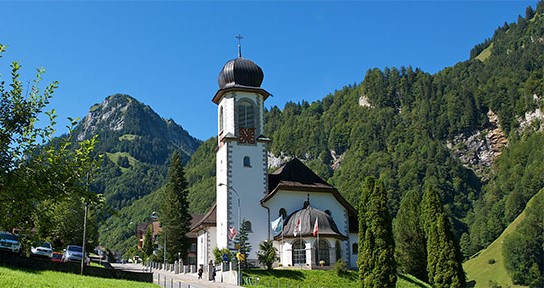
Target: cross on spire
[{"x": 239, "y": 37}]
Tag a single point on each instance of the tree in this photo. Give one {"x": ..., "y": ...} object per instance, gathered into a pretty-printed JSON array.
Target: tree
[
  {"x": 148, "y": 242},
  {"x": 175, "y": 217},
  {"x": 444, "y": 267},
  {"x": 243, "y": 240},
  {"x": 410, "y": 243},
  {"x": 36, "y": 171},
  {"x": 522, "y": 250},
  {"x": 267, "y": 254},
  {"x": 376, "y": 261}
]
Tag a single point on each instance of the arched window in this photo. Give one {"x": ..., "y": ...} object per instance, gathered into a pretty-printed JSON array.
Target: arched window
[
  {"x": 246, "y": 114},
  {"x": 299, "y": 252},
  {"x": 282, "y": 213},
  {"x": 221, "y": 119},
  {"x": 247, "y": 161},
  {"x": 248, "y": 226},
  {"x": 322, "y": 252},
  {"x": 354, "y": 249}
]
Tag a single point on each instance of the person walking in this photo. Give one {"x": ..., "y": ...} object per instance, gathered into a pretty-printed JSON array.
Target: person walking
[
  {"x": 200, "y": 271},
  {"x": 213, "y": 273}
]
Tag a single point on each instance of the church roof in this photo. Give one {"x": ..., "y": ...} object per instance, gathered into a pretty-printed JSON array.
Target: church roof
[
  {"x": 240, "y": 74},
  {"x": 295, "y": 176},
  {"x": 308, "y": 215},
  {"x": 207, "y": 220}
]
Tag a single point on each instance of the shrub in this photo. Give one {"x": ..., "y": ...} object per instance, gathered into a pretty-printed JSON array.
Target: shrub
[{"x": 341, "y": 267}]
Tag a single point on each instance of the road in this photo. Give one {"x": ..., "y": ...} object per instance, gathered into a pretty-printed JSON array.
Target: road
[{"x": 169, "y": 279}]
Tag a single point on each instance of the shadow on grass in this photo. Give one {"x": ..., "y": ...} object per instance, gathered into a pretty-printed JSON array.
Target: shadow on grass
[
  {"x": 26, "y": 270},
  {"x": 289, "y": 274},
  {"x": 411, "y": 280}
]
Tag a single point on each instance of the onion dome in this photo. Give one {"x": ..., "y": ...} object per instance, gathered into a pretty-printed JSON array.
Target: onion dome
[
  {"x": 240, "y": 72},
  {"x": 326, "y": 225}
]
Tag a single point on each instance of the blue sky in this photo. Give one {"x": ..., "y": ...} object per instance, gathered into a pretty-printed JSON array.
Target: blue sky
[{"x": 168, "y": 54}]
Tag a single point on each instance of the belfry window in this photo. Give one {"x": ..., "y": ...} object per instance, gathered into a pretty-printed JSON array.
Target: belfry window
[{"x": 246, "y": 114}]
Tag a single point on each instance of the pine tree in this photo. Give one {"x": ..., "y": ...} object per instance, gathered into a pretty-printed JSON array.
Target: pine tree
[
  {"x": 376, "y": 262},
  {"x": 243, "y": 240},
  {"x": 175, "y": 216},
  {"x": 148, "y": 244},
  {"x": 410, "y": 243},
  {"x": 444, "y": 267}
]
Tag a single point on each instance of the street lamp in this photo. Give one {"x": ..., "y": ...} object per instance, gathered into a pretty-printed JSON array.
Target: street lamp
[{"x": 237, "y": 228}]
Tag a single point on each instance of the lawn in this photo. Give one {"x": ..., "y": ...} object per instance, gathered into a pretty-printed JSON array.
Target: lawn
[
  {"x": 315, "y": 278},
  {"x": 12, "y": 277}
]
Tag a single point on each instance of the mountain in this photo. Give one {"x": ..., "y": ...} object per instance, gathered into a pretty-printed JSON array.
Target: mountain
[{"x": 137, "y": 143}]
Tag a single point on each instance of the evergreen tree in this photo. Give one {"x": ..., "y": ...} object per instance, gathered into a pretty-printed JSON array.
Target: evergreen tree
[
  {"x": 175, "y": 216},
  {"x": 410, "y": 249},
  {"x": 376, "y": 264},
  {"x": 444, "y": 259},
  {"x": 148, "y": 242},
  {"x": 243, "y": 240}
]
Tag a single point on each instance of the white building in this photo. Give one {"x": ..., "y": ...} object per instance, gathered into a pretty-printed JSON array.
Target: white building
[{"x": 246, "y": 192}]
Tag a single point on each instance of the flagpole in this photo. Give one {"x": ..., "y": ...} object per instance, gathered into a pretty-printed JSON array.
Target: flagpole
[{"x": 300, "y": 228}]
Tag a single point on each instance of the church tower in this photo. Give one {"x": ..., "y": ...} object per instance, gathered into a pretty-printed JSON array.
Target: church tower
[{"x": 241, "y": 165}]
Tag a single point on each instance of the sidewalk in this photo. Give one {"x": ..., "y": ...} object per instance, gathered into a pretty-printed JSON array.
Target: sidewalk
[{"x": 169, "y": 279}]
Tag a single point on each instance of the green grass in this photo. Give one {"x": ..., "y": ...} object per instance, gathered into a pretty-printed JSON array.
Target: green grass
[
  {"x": 479, "y": 269},
  {"x": 115, "y": 156},
  {"x": 12, "y": 277},
  {"x": 128, "y": 137},
  {"x": 485, "y": 53},
  {"x": 317, "y": 278}
]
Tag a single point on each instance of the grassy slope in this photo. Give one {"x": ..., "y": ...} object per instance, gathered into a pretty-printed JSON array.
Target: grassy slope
[
  {"x": 10, "y": 277},
  {"x": 478, "y": 267},
  {"x": 485, "y": 53},
  {"x": 319, "y": 278}
]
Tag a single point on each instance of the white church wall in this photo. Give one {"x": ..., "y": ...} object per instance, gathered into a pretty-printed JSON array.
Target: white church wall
[
  {"x": 221, "y": 197},
  {"x": 250, "y": 183},
  {"x": 353, "y": 238},
  {"x": 206, "y": 242}
]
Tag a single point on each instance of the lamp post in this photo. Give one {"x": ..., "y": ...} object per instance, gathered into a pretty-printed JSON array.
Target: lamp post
[{"x": 238, "y": 281}]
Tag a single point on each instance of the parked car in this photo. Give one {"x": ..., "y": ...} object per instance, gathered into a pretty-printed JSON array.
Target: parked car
[
  {"x": 56, "y": 257},
  {"x": 42, "y": 249},
  {"x": 10, "y": 242},
  {"x": 74, "y": 253}
]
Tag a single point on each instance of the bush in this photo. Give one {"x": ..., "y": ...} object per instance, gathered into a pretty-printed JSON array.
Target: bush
[
  {"x": 341, "y": 267},
  {"x": 491, "y": 261}
]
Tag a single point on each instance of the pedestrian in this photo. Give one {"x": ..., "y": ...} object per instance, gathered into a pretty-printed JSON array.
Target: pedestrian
[
  {"x": 200, "y": 271},
  {"x": 213, "y": 273}
]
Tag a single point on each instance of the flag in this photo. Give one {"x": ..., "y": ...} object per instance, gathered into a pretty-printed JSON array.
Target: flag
[
  {"x": 277, "y": 225},
  {"x": 316, "y": 227},
  {"x": 232, "y": 233},
  {"x": 297, "y": 228}
]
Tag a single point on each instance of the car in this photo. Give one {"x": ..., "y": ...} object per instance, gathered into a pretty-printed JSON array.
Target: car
[
  {"x": 56, "y": 257},
  {"x": 74, "y": 253},
  {"x": 10, "y": 242},
  {"x": 42, "y": 249}
]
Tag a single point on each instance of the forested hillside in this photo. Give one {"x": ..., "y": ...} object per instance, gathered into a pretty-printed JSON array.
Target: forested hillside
[
  {"x": 407, "y": 127},
  {"x": 137, "y": 144}
]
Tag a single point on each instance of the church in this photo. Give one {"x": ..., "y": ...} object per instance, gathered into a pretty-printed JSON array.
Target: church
[{"x": 313, "y": 224}]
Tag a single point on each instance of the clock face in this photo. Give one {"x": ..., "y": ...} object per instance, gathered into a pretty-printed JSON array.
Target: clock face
[{"x": 247, "y": 135}]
